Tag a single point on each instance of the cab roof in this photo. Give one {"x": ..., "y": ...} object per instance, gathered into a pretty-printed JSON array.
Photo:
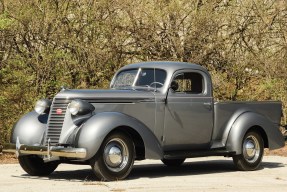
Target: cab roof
[{"x": 169, "y": 66}]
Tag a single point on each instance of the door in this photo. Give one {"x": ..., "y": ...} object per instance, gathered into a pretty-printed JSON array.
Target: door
[{"x": 188, "y": 119}]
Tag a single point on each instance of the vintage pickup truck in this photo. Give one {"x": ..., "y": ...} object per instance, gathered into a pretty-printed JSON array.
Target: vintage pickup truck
[{"x": 153, "y": 110}]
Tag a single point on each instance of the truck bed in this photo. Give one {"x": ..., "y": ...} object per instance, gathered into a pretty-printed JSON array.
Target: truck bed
[{"x": 226, "y": 111}]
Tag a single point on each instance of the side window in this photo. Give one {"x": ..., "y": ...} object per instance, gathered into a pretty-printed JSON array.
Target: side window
[{"x": 189, "y": 82}]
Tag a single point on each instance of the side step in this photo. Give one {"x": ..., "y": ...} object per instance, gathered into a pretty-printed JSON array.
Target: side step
[{"x": 191, "y": 154}]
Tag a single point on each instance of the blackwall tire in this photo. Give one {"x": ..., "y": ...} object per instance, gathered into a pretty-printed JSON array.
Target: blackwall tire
[
  {"x": 115, "y": 158},
  {"x": 252, "y": 152},
  {"x": 35, "y": 166}
]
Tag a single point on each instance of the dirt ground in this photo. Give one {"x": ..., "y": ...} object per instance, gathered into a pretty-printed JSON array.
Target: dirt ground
[{"x": 198, "y": 174}]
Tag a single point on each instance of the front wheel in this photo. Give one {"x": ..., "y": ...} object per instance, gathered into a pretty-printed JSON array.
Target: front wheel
[
  {"x": 35, "y": 166},
  {"x": 252, "y": 152},
  {"x": 115, "y": 158}
]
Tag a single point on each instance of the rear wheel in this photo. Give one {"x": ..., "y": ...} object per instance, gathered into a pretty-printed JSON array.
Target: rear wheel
[
  {"x": 173, "y": 162},
  {"x": 35, "y": 166},
  {"x": 115, "y": 158},
  {"x": 252, "y": 152}
]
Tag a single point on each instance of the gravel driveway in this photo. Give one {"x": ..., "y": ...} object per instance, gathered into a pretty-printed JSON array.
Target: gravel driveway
[{"x": 199, "y": 174}]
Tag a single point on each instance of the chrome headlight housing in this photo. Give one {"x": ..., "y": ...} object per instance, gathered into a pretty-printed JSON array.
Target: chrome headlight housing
[
  {"x": 74, "y": 107},
  {"x": 80, "y": 107},
  {"x": 42, "y": 106}
]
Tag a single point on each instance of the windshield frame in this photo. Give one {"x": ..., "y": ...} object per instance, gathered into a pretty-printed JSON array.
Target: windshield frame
[
  {"x": 137, "y": 76},
  {"x": 133, "y": 86}
]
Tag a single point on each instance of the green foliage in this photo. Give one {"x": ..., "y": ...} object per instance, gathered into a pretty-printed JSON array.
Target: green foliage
[
  {"x": 81, "y": 44},
  {"x": 5, "y": 21}
]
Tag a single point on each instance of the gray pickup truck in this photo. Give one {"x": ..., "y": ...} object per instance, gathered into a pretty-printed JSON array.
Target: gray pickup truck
[{"x": 153, "y": 110}]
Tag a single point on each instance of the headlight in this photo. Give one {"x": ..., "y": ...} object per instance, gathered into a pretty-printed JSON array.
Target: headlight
[
  {"x": 80, "y": 107},
  {"x": 74, "y": 107},
  {"x": 42, "y": 106}
]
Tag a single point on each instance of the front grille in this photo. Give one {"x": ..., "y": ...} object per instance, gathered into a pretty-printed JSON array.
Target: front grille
[{"x": 55, "y": 121}]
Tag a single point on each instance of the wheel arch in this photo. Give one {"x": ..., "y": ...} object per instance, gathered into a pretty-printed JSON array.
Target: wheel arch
[
  {"x": 29, "y": 128},
  {"x": 136, "y": 138},
  {"x": 98, "y": 127},
  {"x": 247, "y": 121},
  {"x": 260, "y": 130}
]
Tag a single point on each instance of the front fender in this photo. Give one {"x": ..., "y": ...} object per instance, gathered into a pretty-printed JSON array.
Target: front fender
[
  {"x": 248, "y": 120},
  {"x": 95, "y": 130},
  {"x": 30, "y": 129}
]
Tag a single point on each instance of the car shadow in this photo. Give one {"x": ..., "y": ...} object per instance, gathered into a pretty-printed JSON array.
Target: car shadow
[
  {"x": 191, "y": 168},
  {"x": 155, "y": 171}
]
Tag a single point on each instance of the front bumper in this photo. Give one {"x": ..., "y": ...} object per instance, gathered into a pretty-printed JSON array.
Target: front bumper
[{"x": 53, "y": 151}]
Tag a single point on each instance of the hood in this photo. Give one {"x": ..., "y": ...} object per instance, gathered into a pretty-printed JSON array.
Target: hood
[{"x": 109, "y": 95}]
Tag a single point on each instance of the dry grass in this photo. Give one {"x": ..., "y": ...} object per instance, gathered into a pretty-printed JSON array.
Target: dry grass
[
  {"x": 8, "y": 159},
  {"x": 279, "y": 152}
]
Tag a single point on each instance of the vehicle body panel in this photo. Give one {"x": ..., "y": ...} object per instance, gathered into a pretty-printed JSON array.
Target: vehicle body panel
[
  {"x": 96, "y": 129},
  {"x": 189, "y": 117},
  {"x": 30, "y": 128},
  {"x": 227, "y": 113}
]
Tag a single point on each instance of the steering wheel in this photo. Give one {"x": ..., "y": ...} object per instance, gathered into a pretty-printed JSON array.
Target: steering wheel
[{"x": 156, "y": 82}]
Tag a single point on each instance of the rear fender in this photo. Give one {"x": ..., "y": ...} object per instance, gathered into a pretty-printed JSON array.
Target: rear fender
[
  {"x": 251, "y": 120},
  {"x": 95, "y": 130}
]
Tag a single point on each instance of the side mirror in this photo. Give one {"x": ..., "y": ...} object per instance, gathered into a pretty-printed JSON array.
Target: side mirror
[{"x": 174, "y": 85}]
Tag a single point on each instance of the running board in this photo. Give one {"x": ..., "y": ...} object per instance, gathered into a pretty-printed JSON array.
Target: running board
[{"x": 191, "y": 154}]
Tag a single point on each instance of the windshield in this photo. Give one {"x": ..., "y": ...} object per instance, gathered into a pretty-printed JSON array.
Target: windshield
[{"x": 149, "y": 78}]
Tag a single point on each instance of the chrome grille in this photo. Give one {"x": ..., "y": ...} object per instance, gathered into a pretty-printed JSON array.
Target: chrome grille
[{"x": 55, "y": 121}]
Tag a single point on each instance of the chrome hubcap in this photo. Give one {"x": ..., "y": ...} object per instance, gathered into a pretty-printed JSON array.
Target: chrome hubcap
[
  {"x": 116, "y": 155},
  {"x": 251, "y": 149}
]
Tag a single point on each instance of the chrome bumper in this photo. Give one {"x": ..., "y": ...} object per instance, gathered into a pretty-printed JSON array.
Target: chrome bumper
[{"x": 53, "y": 151}]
